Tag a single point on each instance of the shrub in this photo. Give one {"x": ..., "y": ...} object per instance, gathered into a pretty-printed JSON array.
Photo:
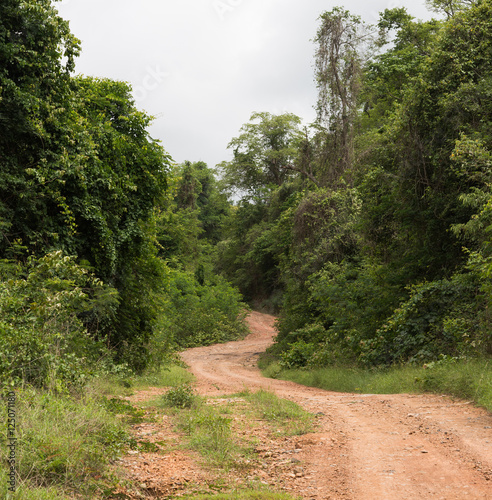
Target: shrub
[
  {"x": 203, "y": 314},
  {"x": 181, "y": 397},
  {"x": 438, "y": 318},
  {"x": 42, "y": 338},
  {"x": 299, "y": 355}
]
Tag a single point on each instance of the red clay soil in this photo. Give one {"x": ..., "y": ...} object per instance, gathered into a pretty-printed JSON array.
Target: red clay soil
[
  {"x": 371, "y": 447},
  {"x": 366, "y": 446}
]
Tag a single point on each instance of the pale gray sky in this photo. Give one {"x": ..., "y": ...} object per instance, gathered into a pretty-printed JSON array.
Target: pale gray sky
[{"x": 201, "y": 67}]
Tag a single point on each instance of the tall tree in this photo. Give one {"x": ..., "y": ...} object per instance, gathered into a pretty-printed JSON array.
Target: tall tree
[
  {"x": 37, "y": 53},
  {"x": 265, "y": 154},
  {"x": 449, "y": 7},
  {"x": 79, "y": 171},
  {"x": 340, "y": 54}
]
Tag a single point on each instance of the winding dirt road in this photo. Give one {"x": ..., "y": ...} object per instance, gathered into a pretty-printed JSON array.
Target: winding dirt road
[{"x": 366, "y": 446}]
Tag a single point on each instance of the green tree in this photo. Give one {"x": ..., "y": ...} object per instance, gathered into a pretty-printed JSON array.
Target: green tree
[
  {"x": 265, "y": 154},
  {"x": 37, "y": 53},
  {"x": 449, "y": 7},
  {"x": 79, "y": 170}
]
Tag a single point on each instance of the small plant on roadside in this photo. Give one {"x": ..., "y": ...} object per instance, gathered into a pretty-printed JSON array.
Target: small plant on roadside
[{"x": 180, "y": 397}]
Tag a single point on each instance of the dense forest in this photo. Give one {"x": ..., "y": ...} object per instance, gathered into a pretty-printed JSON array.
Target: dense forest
[
  {"x": 367, "y": 232},
  {"x": 107, "y": 246}
]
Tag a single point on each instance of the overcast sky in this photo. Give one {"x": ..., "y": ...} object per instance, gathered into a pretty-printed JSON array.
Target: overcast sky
[{"x": 201, "y": 67}]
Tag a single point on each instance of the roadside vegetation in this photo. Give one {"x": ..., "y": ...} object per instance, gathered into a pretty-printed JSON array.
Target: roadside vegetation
[{"x": 469, "y": 379}]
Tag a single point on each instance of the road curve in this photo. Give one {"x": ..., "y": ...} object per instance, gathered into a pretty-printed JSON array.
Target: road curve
[{"x": 370, "y": 447}]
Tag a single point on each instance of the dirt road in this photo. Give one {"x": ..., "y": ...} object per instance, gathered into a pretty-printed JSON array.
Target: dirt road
[{"x": 367, "y": 446}]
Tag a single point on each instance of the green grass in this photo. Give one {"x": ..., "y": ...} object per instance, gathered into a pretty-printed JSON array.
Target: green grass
[
  {"x": 468, "y": 379},
  {"x": 211, "y": 435},
  {"x": 209, "y": 427},
  {"x": 282, "y": 413},
  {"x": 28, "y": 492},
  {"x": 65, "y": 445},
  {"x": 165, "y": 376}
]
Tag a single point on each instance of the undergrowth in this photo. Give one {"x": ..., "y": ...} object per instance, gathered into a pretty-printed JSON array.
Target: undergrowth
[
  {"x": 65, "y": 445},
  {"x": 469, "y": 379}
]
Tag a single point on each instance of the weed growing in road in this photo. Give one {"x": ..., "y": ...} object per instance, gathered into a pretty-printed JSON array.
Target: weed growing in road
[
  {"x": 283, "y": 413},
  {"x": 211, "y": 435},
  {"x": 180, "y": 397}
]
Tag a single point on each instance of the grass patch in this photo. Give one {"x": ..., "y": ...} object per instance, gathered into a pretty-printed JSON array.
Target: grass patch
[
  {"x": 164, "y": 376},
  {"x": 348, "y": 379},
  {"x": 289, "y": 416},
  {"x": 469, "y": 379},
  {"x": 466, "y": 379},
  {"x": 129, "y": 414},
  {"x": 211, "y": 435},
  {"x": 65, "y": 446},
  {"x": 29, "y": 492},
  {"x": 126, "y": 384},
  {"x": 109, "y": 385}
]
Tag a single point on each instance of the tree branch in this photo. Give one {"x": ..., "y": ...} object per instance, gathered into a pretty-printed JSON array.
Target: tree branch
[{"x": 301, "y": 171}]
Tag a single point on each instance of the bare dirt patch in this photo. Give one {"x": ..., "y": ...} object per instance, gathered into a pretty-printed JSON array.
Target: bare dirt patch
[{"x": 364, "y": 446}]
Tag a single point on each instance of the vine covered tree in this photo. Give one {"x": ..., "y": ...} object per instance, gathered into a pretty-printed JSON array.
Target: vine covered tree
[
  {"x": 79, "y": 172},
  {"x": 342, "y": 42}
]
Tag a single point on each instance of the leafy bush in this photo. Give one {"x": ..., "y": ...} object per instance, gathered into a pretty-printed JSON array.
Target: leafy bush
[
  {"x": 180, "y": 397},
  {"x": 299, "y": 355},
  {"x": 43, "y": 341},
  {"x": 438, "y": 318},
  {"x": 203, "y": 314}
]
